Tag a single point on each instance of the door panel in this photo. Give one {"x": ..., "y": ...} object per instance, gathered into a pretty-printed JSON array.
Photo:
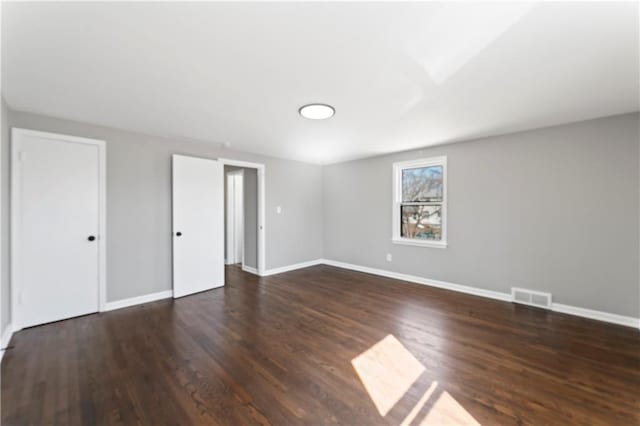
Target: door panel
[
  {"x": 59, "y": 209},
  {"x": 198, "y": 216}
]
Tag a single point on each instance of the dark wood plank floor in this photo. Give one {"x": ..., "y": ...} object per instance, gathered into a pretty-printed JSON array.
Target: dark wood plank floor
[{"x": 281, "y": 350}]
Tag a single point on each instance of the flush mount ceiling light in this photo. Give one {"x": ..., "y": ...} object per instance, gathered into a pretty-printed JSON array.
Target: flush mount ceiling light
[{"x": 317, "y": 111}]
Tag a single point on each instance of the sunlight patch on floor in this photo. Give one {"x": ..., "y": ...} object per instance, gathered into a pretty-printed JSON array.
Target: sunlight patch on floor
[
  {"x": 447, "y": 411},
  {"x": 416, "y": 410},
  {"x": 387, "y": 370}
]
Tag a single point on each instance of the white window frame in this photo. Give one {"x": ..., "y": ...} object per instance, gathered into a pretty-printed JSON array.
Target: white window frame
[{"x": 397, "y": 201}]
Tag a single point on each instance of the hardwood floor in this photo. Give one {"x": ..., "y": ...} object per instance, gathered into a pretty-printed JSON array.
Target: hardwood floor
[{"x": 323, "y": 346}]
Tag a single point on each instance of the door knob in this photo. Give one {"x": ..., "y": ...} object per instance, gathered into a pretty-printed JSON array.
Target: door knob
[
  {"x": 178, "y": 234},
  {"x": 91, "y": 238}
]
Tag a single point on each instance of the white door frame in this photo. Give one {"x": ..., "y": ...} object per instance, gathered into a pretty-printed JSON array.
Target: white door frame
[
  {"x": 238, "y": 214},
  {"x": 16, "y": 213},
  {"x": 262, "y": 239}
]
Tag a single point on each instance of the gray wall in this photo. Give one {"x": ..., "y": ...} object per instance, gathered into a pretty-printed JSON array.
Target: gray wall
[
  {"x": 139, "y": 203},
  {"x": 554, "y": 209},
  {"x": 5, "y": 287},
  {"x": 250, "y": 200}
]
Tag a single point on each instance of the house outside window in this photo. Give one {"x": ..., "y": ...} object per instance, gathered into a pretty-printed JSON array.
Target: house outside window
[{"x": 420, "y": 202}]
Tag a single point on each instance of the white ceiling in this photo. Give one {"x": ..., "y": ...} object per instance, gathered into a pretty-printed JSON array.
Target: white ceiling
[{"x": 400, "y": 75}]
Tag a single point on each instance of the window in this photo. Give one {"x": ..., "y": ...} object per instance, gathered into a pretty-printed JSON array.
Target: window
[{"x": 420, "y": 202}]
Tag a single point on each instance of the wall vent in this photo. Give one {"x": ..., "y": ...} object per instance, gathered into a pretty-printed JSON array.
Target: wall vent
[{"x": 531, "y": 297}]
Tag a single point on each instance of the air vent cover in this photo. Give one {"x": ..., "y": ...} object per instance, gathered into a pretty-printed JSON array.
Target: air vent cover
[{"x": 531, "y": 297}]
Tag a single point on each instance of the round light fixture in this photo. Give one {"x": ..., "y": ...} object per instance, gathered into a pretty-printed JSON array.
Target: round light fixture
[{"x": 317, "y": 111}]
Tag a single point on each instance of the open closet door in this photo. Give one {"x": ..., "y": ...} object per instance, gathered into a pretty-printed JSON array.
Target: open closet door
[{"x": 198, "y": 225}]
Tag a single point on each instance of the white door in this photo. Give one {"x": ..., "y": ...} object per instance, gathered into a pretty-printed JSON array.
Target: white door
[
  {"x": 235, "y": 217},
  {"x": 56, "y": 223},
  {"x": 198, "y": 225}
]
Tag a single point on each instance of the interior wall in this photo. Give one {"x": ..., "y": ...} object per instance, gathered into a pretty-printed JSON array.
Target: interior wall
[
  {"x": 582, "y": 244},
  {"x": 139, "y": 203},
  {"x": 5, "y": 286},
  {"x": 554, "y": 210}
]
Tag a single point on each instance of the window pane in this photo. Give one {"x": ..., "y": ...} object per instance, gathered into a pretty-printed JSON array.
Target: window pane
[
  {"x": 422, "y": 184},
  {"x": 421, "y": 222}
]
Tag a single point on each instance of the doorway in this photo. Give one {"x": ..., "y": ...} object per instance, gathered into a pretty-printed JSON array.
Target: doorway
[
  {"x": 58, "y": 238},
  {"x": 243, "y": 226},
  {"x": 235, "y": 216}
]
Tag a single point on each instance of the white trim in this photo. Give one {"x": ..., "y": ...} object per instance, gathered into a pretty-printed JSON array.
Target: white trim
[
  {"x": 138, "y": 300},
  {"x": 398, "y": 167},
  {"x": 506, "y": 297},
  {"x": 240, "y": 163},
  {"x": 262, "y": 223},
  {"x": 16, "y": 196},
  {"x": 6, "y": 339},
  {"x": 295, "y": 266},
  {"x": 102, "y": 237},
  {"x": 419, "y": 243},
  {"x": 596, "y": 315},
  {"x": 250, "y": 269}
]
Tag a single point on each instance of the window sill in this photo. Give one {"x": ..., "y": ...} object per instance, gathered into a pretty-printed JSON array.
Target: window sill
[{"x": 432, "y": 244}]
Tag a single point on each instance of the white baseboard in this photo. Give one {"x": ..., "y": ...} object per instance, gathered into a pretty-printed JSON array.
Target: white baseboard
[
  {"x": 6, "y": 339},
  {"x": 506, "y": 297},
  {"x": 250, "y": 269},
  {"x": 292, "y": 267},
  {"x": 596, "y": 315},
  {"x": 556, "y": 307},
  {"x": 124, "y": 303}
]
